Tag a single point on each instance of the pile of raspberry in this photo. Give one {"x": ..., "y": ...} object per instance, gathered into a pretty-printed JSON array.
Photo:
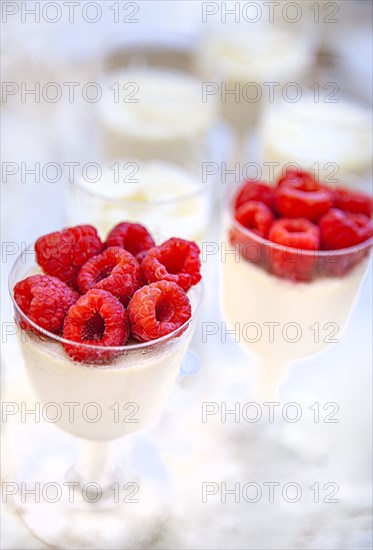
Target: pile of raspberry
[
  {"x": 305, "y": 217},
  {"x": 108, "y": 293}
]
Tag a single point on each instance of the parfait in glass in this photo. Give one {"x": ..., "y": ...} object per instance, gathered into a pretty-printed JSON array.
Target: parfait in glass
[
  {"x": 104, "y": 329},
  {"x": 296, "y": 257}
]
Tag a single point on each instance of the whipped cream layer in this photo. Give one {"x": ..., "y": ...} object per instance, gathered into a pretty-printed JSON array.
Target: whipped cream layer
[
  {"x": 240, "y": 56},
  {"x": 330, "y": 133},
  {"x": 167, "y": 199},
  {"x": 160, "y": 114}
]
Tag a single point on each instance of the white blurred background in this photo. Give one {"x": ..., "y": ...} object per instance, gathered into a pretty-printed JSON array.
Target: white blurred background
[{"x": 331, "y": 43}]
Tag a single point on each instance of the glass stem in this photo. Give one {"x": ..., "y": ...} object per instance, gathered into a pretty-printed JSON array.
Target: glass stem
[
  {"x": 239, "y": 147},
  {"x": 93, "y": 461},
  {"x": 269, "y": 374}
]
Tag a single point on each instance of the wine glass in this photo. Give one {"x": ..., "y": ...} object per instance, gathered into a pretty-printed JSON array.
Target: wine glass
[
  {"x": 152, "y": 105},
  {"x": 248, "y": 67},
  {"x": 327, "y": 131},
  {"x": 280, "y": 320},
  {"x": 150, "y": 150},
  {"x": 121, "y": 393}
]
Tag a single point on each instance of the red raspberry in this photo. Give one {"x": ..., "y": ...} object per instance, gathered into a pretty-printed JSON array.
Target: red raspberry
[
  {"x": 343, "y": 229},
  {"x": 353, "y": 201},
  {"x": 45, "y": 300},
  {"x": 296, "y": 176},
  {"x": 115, "y": 270},
  {"x": 302, "y": 197},
  {"x": 140, "y": 256},
  {"x": 158, "y": 309},
  {"x": 176, "y": 260},
  {"x": 256, "y": 216},
  {"x": 295, "y": 233},
  {"x": 294, "y": 262},
  {"x": 254, "y": 191},
  {"x": 132, "y": 237},
  {"x": 62, "y": 253},
  {"x": 97, "y": 319}
]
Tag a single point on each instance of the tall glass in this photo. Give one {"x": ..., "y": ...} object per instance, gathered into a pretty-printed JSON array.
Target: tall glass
[
  {"x": 327, "y": 131},
  {"x": 150, "y": 134},
  {"x": 167, "y": 198},
  {"x": 123, "y": 392},
  {"x": 280, "y": 320},
  {"x": 152, "y": 104},
  {"x": 246, "y": 67}
]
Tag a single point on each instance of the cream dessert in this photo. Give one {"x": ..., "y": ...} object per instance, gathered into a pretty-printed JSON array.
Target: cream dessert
[
  {"x": 336, "y": 135},
  {"x": 103, "y": 338},
  {"x": 166, "y": 197},
  {"x": 154, "y": 113},
  {"x": 285, "y": 320},
  {"x": 296, "y": 258},
  {"x": 243, "y": 61},
  {"x": 108, "y": 401}
]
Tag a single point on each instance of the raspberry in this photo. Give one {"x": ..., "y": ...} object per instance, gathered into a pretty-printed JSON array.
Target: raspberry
[
  {"x": 96, "y": 319},
  {"x": 115, "y": 270},
  {"x": 132, "y": 237},
  {"x": 254, "y": 191},
  {"x": 298, "y": 195},
  {"x": 140, "y": 256},
  {"x": 344, "y": 229},
  {"x": 62, "y": 253},
  {"x": 176, "y": 260},
  {"x": 295, "y": 233},
  {"x": 158, "y": 309},
  {"x": 256, "y": 216},
  {"x": 295, "y": 262},
  {"x": 45, "y": 300},
  {"x": 353, "y": 201},
  {"x": 296, "y": 176}
]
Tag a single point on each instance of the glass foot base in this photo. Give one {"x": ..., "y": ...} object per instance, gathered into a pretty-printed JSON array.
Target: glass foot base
[
  {"x": 122, "y": 504},
  {"x": 73, "y": 516}
]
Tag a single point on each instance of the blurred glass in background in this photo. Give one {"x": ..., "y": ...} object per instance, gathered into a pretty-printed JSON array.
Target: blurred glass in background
[
  {"x": 167, "y": 85},
  {"x": 152, "y": 132}
]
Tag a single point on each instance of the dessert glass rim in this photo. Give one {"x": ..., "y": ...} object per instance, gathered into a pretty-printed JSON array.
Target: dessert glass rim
[
  {"x": 200, "y": 188},
  {"x": 346, "y": 95},
  {"x": 231, "y": 195},
  {"x": 123, "y": 348},
  {"x": 180, "y": 43},
  {"x": 168, "y": 40}
]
